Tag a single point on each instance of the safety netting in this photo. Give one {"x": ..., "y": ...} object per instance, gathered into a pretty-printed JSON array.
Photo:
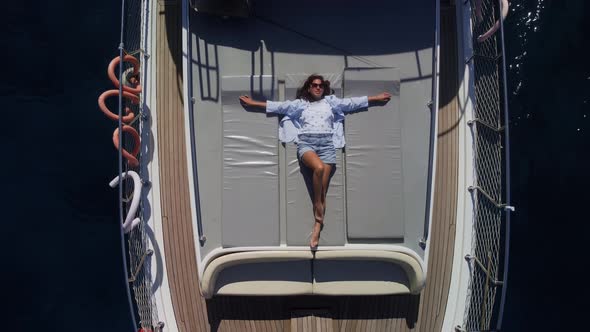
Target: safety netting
[{"x": 490, "y": 189}]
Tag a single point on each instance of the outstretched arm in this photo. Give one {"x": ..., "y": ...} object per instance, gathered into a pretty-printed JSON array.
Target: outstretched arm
[
  {"x": 347, "y": 105},
  {"x": 383, "y": 97},
  {"x": 274, "y": 107},
  {"x": 246, "y": 100}
]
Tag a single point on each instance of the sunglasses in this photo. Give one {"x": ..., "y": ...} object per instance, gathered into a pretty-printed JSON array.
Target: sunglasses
[{"x": 316, "y": 85}]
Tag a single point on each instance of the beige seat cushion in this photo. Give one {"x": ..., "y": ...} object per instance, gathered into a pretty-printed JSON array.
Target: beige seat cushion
[
  {"x": 259, "y": 273},
  {"x": 337, "y": 272},
  {"x": 366, "y": 272}
]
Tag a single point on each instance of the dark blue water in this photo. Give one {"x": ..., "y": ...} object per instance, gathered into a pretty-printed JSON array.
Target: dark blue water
[
  {"x": 60, "y": 254},
  {"x": 60, "y": 248},
  {"x": 549, "y": 97}
]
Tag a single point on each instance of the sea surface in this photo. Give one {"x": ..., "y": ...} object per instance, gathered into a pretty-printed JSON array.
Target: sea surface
[
  {"x": 60, "y": 253},
  {"x": 547, "y": 54}
]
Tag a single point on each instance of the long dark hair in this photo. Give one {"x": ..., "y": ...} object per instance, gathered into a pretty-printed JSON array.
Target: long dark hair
[{"x": 303, "y": 92}]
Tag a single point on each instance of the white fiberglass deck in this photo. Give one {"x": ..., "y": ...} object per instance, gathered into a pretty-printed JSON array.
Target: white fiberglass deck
[
  {"x": 180, "y": 305},
  {"x": 254, "y": 196}
]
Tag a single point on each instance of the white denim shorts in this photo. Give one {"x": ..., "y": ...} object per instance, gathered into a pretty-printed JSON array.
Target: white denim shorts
[{"x": 321, "y": 144}]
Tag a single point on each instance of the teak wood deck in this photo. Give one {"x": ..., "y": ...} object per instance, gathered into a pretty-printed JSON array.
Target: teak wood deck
[{"x": 424, "y": 312}]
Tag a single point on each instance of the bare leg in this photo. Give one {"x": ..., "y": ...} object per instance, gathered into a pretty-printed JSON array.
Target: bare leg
[
  {"x": 311, "y": 160},
  {"x": 325, "y": 182},
  {"x": 315, "y": 164}
]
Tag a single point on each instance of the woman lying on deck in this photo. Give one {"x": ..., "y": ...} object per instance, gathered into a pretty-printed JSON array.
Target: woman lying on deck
[{"x": 316, "y": 117}]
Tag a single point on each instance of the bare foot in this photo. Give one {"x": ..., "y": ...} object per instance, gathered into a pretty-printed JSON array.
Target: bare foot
[{"x": 315, "y": 236}]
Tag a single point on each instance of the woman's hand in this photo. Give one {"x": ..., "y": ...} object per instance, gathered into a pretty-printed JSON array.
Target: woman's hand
[
  {"x": 247, "y": 101},
  {"x": 383, "y": 97}
]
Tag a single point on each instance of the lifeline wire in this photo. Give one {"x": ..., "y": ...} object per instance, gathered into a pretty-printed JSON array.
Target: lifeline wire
[
  {"x": 122, "y": 235},
  {"x": 507, "y": 170}
]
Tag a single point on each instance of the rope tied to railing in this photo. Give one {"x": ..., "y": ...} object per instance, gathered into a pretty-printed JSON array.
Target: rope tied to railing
[{"x": 489, "y": 197}]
